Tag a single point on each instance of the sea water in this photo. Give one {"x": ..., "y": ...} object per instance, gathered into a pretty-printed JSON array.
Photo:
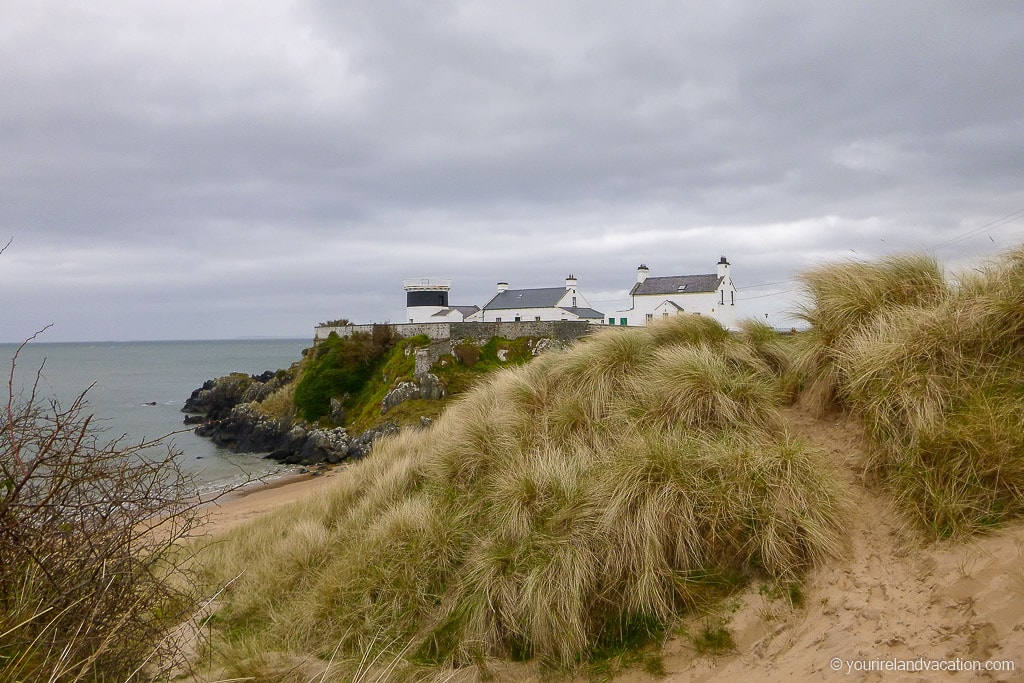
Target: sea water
[{"x": 135, "y": 391}]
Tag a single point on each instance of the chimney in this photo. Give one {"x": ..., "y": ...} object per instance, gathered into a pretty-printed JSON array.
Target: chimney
[
  {"x": 570, "y": 282},
  {"x": 723, "y": 267},
  {"x": 502, "y": 286},
  {"x": 641, "y": 274}
]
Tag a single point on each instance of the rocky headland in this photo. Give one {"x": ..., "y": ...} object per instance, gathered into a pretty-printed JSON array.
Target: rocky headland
[{"x": 224, "y": 411}]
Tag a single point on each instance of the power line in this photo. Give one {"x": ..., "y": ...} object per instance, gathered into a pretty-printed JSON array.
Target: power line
[
  {"x": 768, "y": 284},
  {"x": 988, "y": 227},
  {"x": 763, "y": 296}
]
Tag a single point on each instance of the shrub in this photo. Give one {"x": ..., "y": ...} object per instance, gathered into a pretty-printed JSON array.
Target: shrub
[
  {"x": 468, "y": 354},
  {"x": 339, "y": 368},
  {"x": 90, "y": 578}
]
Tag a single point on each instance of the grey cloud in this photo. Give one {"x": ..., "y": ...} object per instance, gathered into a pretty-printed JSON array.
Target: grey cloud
[{"x": 319, "y": 151}]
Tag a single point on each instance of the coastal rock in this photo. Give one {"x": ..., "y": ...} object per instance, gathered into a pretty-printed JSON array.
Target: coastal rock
[
  {"x": 400, "y": 394},
  {"x": 222, "y": 414},
  {"x": 545, "y": 344},
  {"x": 431, "y": 387},
  {"x": 325, "y": 445},
  {"x": 361, "y": 446},
  {"x": 245, "y": 430},
  {"x": 428, "y": 387}
]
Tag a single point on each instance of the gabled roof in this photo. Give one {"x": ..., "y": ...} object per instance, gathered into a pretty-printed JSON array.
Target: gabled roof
[
  {"x": 583, "y": 312},
  {"x": 670, "y": 303},
  {"x": 546, "y": 297},
  {"x": 678, "y": 284},
  {"x": 466, "y": 311}
]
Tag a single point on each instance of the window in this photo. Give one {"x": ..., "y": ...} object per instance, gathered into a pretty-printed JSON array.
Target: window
[
  {"x": 650, "y": 316},
  {"x": 536, "y": 318},
  {"x": 681, "y": 288},
  {"x": 732, "y": 295},
  {"x": 574, "y": 302},
  {"x": 622, "y": 321},
  {"x": 497, "y": 320},
  {"x": 611, "y": 321},
  {"x": 721, "y": 298},
  {"x": 519, "y": 319}
]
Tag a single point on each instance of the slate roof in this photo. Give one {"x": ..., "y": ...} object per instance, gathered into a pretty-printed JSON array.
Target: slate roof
[
  {"x": 671, "y": 284},
  {"x": 584, "y": 312},
  {"x": 546, "y": 297},
  {"x": 465, "y": 310}
]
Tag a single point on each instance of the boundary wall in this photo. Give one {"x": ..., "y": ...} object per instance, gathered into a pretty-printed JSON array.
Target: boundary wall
[{"x": 562, "y": 330}]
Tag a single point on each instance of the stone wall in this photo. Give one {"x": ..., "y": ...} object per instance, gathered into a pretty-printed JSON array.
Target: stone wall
[
  {"x": 436, "y": 331},
  {"x": 562, "y": 330}
]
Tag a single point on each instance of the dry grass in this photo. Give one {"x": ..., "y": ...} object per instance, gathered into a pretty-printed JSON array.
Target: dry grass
[
  {"x": 935, "y": 373},
  {"x": 844, "y": 299},
  {"x": 625, "y": 479}
]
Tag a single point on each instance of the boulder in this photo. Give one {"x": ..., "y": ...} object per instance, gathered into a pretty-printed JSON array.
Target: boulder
[
  {"x": 403, "y": 392},
  {"x": 325, "y": 445},
  {"x": 361, "y": 446}
]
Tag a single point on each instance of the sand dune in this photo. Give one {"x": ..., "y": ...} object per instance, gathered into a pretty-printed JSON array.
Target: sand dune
[{"x": 893, "y": 601}]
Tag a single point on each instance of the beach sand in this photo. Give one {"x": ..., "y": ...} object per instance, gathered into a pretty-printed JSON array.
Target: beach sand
[
  {"x": 260, "y": 497},
  {"x": 894, "y": 600}
]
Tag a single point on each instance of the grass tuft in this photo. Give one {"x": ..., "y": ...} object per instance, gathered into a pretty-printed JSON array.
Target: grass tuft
[{"x": 934, "y": 372}]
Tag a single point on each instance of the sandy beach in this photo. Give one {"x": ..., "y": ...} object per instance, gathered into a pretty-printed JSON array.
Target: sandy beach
[{"x": 260, "y": 497}]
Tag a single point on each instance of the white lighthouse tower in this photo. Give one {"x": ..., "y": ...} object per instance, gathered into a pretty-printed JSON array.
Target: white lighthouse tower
[{"x": 425, "y": 296}]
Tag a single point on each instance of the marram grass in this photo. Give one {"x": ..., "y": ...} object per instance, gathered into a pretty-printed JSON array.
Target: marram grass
[
  {"x": 621, "y": 481},
  {"x": 935, "y": 373}
]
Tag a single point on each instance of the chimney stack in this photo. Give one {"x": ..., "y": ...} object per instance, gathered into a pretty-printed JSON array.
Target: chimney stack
[
  {"x": 570, "y": 282},
  {"x": 641, "y": 273},
  {"x": 723, "y": 267},
  {"x": 502, "y": 286}
]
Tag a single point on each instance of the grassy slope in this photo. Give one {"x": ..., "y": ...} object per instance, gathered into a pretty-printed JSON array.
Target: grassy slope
[{"x": 619, "y": 483}]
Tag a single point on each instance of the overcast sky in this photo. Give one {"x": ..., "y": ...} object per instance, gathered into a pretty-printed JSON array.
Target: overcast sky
[{"x": 229, "y": 168}]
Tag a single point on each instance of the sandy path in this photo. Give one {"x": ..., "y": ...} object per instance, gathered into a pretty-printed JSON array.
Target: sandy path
[{"x": 892, "y": 598}]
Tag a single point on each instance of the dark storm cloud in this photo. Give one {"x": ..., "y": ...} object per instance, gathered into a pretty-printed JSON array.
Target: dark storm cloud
[{"x": 230, "y": 168}]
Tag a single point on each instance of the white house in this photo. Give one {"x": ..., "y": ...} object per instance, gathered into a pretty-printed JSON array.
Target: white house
[
  {"x": 545, "y": 304},
  {"x": 711, "y": 294},
  {"x": 426, "y": 301}
]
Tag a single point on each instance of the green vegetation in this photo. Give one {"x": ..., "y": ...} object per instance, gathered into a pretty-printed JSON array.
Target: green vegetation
[
  {"x": 714, "y": 640},
  {"x": 340, "y": 368},
  {"x": 585, "y": 494},
  {"x": 935, "y": 373},
  {"x": 470, "y": 363}
]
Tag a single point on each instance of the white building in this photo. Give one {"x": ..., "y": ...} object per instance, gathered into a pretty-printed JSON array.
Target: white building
[
  {"x": 711, "y": 294},
  {"x": 544, "y": 304}
]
